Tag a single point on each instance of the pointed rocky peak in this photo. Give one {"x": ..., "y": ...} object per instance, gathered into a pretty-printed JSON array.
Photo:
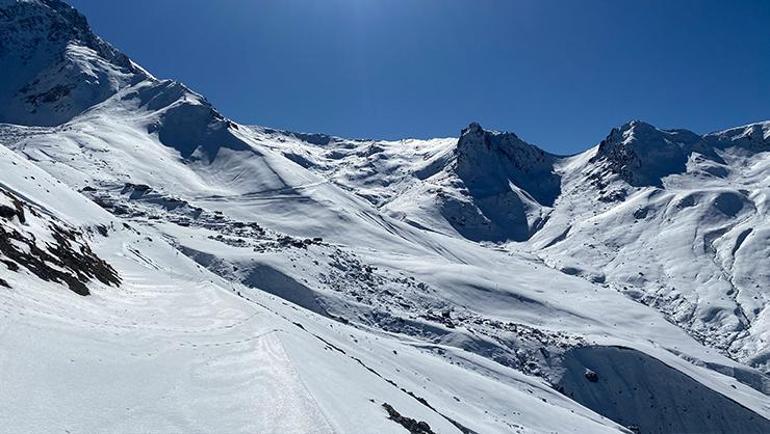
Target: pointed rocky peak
[
  {"x": 52, "y": 66},
  {"x": 641, "y": 136},
  {"x": 477, "y": 144},
  {"x": 642, "y": 154},
  {"x": 24, "y": 22},
  {"x": 490, "y": 161},
  {"x": 474, "y": 138}
]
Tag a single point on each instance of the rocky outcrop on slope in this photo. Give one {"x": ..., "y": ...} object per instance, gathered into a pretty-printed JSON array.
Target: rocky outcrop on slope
[
  {"x": 34, "y": 242},
  {"x": 489, "y": 162},
  {"x": 642, "y": 154},
  {"x": 498, "y": 188}
]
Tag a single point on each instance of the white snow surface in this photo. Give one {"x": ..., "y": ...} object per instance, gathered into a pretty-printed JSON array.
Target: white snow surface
[{"x": 272, "y": 281}]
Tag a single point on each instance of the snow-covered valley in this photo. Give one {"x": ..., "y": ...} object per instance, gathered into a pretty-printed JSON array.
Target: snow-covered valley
[{"x": 166, "y": 269}]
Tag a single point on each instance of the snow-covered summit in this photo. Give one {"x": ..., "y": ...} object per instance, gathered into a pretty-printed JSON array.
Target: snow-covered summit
[
  {"x": 182, "y": 119},
  {"x": 489, "y": 161},
  {"x": 642, "y": 154},
  {"x": 54, "y": 67},
  {"x": 752, "y": 137}
]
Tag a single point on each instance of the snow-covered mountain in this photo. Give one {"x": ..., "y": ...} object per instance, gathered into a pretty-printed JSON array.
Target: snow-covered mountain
[
  {"x": 165, "y": 269},
  {"x": 53, "y": 66}
]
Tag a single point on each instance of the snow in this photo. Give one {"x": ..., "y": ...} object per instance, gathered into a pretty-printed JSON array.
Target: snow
[
  {"x": 624, "y": 388},
  {"x": 273, "y": 281},
  {"x": 690, "y": 231},
  {"x": 53, "y": 66},
  {"x": 173, "y": 348}
]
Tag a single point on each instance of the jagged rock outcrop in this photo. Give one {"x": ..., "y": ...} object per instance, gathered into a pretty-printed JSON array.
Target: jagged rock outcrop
[
  {"x": 489, "y": 162},
  {"x": 55, "y": 66},
  {"x": 642, "y": 155},
  {"x": 31, "y": 241}
]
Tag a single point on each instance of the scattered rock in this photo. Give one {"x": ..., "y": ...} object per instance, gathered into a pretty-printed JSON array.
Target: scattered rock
[
  {"x": 67, "y": 260},
  {"x": 7, "y": 212},
  {"x": 412, "y": 425},
  {"x": 591, "y": 376}
]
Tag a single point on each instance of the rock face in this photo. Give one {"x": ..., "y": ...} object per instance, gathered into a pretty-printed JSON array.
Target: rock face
[
  {"x": 54, "y": 66},
  {"x": 412, "y": 425},
  {"x": 490, "y": 162},
  {"x": 65, "y": 258},
  {"x": 504, "y": 186},
  {"x": 642, "y": 154},
  {"x": 752, "y": 138}
]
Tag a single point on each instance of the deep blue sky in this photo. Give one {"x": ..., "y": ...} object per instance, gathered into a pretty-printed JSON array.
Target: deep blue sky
[{"x": 560, "y": 74}]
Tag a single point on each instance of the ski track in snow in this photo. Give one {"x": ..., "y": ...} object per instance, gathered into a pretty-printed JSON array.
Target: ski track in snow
[{"x": 237, "y": 367}]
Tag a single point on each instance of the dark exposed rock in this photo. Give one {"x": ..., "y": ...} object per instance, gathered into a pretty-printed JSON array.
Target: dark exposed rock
[
  {"x": 7, "y": 212},
  {"x": 642, "y": 155},
  {"x": 102, "y": 230},
  {"x": 591, "y": 376},
  {"x": 412, "y": 425},
  {"x": 138, "y": 188},
  {"x": 53, "y": 94},
  {"x": 68, "y": 260},
  {"x": 12, "y": 266}
]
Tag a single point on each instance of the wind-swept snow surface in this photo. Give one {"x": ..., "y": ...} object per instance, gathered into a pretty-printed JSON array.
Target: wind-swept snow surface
[{"x": 165, "y": 269}]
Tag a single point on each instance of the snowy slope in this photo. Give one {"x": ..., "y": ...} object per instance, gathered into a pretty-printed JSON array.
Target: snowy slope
[
  {"x": 697, "y": 225},
  {"x": 671, "y": 218},
  {"x": 53, "y": 66},
  {"x": 486, "y": 186},
  {"x": 172, "y": 347},
  {"x": 257, "y": 280}
]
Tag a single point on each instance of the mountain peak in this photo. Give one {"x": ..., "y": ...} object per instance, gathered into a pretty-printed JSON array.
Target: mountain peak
[
  {"x": 491, "y": 160},
  {"x": 53, "y": 66},
  {"x": 23, "y": 22},
  {"x": 637, "y": 124},
  {"x": 474, "y": 136},
  {"x": 642, "y": 154},
  {"x": 642, "y": 132},
  {"x": 473, "y": 128}
]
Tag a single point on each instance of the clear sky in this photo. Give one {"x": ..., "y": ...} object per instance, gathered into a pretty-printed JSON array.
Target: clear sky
[{"x": 560, "y": 74}]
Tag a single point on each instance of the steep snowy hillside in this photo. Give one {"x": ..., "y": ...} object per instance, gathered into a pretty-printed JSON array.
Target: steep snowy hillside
[
  {"x": 463, "y": 345},
  {"x": 680, "y": 225},
  {"x": 496, "y": 188},
  {"x": 668, "y": 217},
  {"x": 163, "y": 268},
  {"x": 488, "y": 186},
  {"x": 167, "y": 346},
  {"x": 53, "y": 66}
]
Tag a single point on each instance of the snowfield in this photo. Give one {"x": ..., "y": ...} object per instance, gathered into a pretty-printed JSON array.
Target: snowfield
[{"x": 166, "y": 269}]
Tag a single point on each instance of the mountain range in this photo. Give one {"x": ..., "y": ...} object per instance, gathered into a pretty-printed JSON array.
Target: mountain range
[{"x": 166, "y": 269}]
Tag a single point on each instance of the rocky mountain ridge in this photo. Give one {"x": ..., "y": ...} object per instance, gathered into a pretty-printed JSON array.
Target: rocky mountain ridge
[{"x": 263, "y": 280}]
